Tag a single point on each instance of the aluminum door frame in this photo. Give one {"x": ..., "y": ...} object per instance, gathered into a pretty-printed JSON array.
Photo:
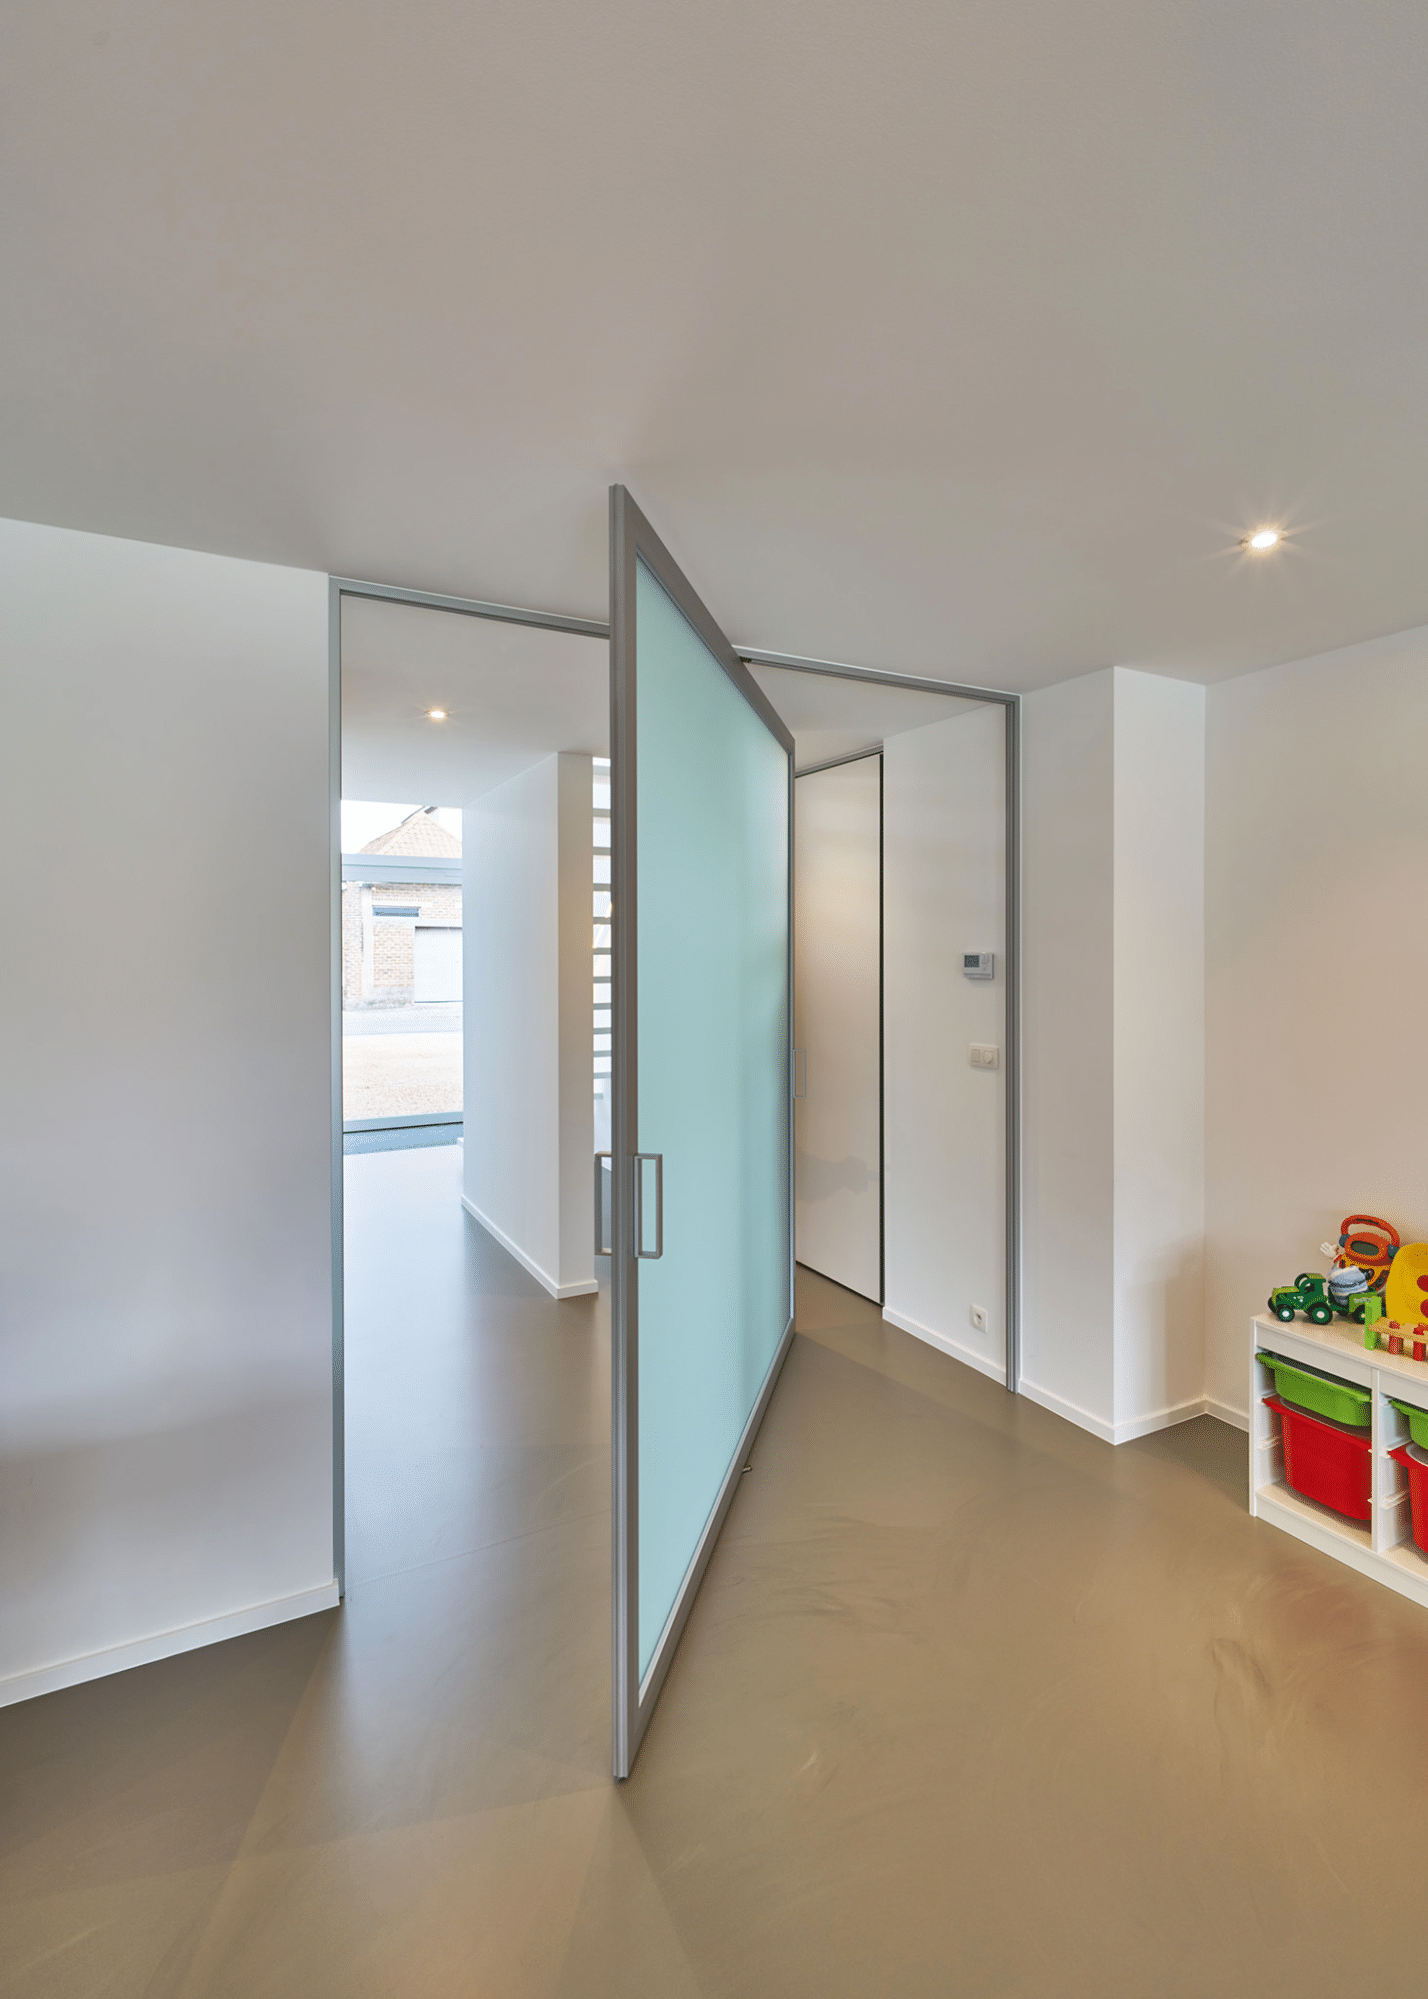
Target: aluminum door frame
[
  {"x": 632, "y": 541},
  {"x": 339, "y": 587}
]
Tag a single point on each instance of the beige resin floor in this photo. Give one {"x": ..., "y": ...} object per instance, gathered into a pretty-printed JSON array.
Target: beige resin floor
[{"x": 970, "y": 1704}]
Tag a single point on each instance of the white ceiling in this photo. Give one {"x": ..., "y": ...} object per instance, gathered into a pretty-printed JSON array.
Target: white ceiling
[
  {"x": 962, "y": 339},
  {"x": 513, "y": 695},
  {"x": 830, "y": 718}
]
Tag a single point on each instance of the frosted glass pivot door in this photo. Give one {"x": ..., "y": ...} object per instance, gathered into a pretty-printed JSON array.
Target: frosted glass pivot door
[{"x": 702, "y": 1271}]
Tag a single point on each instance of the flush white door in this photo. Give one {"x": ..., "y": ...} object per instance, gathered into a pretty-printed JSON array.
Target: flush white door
[{"x": 837, "y": 1013}]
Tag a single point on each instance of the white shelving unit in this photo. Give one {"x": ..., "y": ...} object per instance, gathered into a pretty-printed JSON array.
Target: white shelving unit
[{"x": 1381, "y": 1546}]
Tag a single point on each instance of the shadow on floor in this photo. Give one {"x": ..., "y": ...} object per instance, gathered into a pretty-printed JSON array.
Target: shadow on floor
[{"x": 1213, "y": 1450}]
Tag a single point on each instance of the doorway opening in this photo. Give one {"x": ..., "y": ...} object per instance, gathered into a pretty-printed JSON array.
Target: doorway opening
[
  {"x": 904, "y": 1001},
  {"x": 469, "y": 936}
]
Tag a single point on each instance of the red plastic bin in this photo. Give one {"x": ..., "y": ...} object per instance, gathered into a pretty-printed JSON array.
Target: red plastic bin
[
  {"x": 1417, "y": 1492},
  {"x": 1325, "y": 1462}
]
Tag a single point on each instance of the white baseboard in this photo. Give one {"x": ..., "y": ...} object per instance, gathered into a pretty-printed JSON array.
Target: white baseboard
[
  {"x": 1072, "y": 1411},
  {"x": 1134, "y": 1426},
  {"x": 1237, "y": 1418},
  {"x": 968, "y": 1355},
  {"x": 1158, "y": 1419},
  {"x": 580, "y": 1290},
  {"x": 165, "y": 1644}
]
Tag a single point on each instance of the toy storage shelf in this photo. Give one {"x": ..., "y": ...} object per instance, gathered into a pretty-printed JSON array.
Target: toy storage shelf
[{"x": 1381, "y": 1546}]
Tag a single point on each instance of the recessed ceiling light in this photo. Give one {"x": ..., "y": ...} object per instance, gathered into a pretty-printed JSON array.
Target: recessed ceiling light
[
  {"x": 1261, "y": 539},
  {"x": 436, "y": 714}
]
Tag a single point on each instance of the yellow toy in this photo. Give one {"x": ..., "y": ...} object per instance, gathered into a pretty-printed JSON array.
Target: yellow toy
[{"x": 1405, "y": 1297}]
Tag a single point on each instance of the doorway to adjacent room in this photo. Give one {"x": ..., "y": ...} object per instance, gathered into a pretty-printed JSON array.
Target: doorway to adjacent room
[
  {"x": 904, "y": 1001},
  {"x": 468, "y": 936}
]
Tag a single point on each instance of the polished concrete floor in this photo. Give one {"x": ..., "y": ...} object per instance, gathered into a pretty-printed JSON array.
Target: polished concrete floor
[{"x": 970, "y": 1704}]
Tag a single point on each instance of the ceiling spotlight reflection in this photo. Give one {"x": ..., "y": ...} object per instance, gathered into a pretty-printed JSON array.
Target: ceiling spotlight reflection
[
  {"x": 1262, "y": 539},
  {"x": 436, "y": 714}
]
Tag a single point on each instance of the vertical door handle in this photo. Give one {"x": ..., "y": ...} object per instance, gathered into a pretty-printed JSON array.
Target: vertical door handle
[
  {"x": 602, "y": 1208},
  {"x": 641, "y": 1161},
  {"x": 800, "y": 1072}
]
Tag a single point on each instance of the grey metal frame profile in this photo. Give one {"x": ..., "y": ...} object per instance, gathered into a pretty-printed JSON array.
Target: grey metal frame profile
[
  {"x": 340, "y": 587},
  {"x": 634, "y": 541}
]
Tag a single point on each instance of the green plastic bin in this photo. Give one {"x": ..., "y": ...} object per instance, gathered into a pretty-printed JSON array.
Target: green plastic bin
[
  {"x": 1417, "y": 1420},
  {"x": 1321, "y": 1394}
]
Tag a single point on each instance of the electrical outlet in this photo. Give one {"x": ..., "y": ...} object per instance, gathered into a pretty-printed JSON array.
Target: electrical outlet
[
  {"x": 985, "y": 1055},
  {"x": 979, "y": 1317}
]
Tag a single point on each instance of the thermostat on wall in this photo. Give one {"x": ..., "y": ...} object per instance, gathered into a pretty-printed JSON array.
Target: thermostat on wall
[{"x": 979, "y": 964}]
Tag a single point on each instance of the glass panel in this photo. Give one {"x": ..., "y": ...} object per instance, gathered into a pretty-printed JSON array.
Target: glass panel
[
  {"x": 401, "y": 970},
  {"x": 712, "y": 982}
]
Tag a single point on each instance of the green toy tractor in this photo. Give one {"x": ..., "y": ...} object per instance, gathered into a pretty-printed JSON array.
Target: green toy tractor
[
  {"x": 1309, "y": 1294},
  {"x": 1364, "y": 1309}
]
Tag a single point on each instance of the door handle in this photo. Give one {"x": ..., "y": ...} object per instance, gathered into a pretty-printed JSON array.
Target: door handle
[
  {"x": 800, "y": 1072},
  {"x": 602, "y": 1210},
  {"x": 641, "y": 1161}
]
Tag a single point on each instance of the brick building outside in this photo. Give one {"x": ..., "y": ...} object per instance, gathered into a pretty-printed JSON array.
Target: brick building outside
[{"x": 380, "y": 921}]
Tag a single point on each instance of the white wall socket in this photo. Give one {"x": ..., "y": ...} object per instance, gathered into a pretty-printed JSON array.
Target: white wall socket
[
  {"x": 979, "y": 1317},
  {"x": 985, "y": 1055}
]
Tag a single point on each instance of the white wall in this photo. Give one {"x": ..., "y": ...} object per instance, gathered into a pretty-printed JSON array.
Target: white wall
[
  {"x": 165, "y": 1330},
  {"x": 1159, "y": 1054},
  {"x": 1068, "y": 1135},
  {"x": 1317, "y": 966},
  {"x": 944, "y": 825},
  {"x": 529, "y": 1117},
  {"x": 1113, "y": 1050},
  {"x": 837, "y": 974}
]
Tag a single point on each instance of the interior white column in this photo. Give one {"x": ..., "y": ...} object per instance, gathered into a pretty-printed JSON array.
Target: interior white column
[
  {"x": 529, "y": 1100},
  {"x": 1114, "y": 1051}
]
